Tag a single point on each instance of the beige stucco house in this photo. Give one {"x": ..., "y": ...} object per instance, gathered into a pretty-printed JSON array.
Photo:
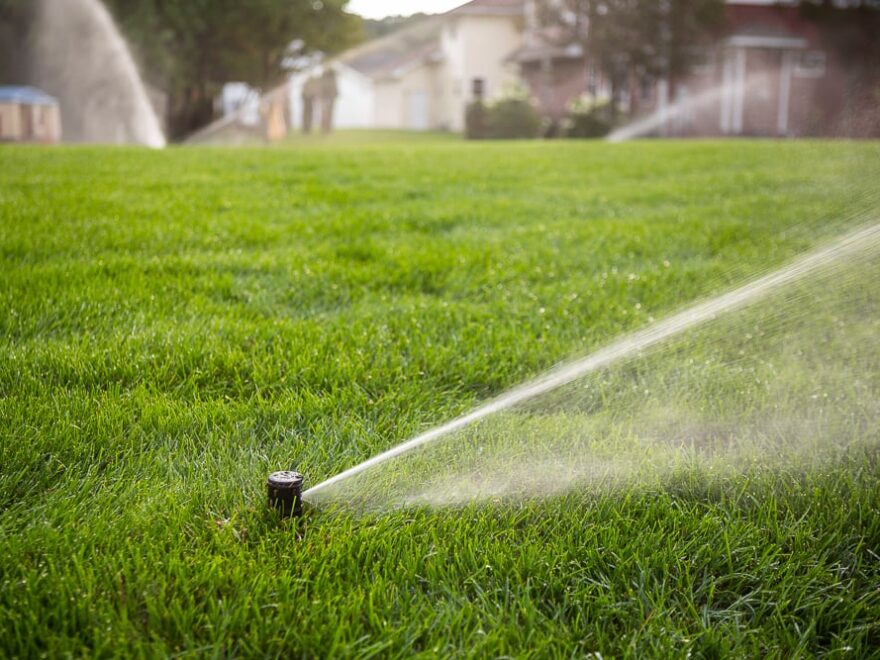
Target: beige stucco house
[
  {"x": 28, "y": 115},
  {"x": 424, "y": 76}
]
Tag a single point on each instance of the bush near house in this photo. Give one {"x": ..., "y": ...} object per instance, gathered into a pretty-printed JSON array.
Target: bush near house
[
  {"x": 515, "y": 117},
  {"x": 509, "y": 118},
  {"x": 588, "y": 117},
  {"x": 476, "y": 121},
  {"x": 512, "y": 118}
]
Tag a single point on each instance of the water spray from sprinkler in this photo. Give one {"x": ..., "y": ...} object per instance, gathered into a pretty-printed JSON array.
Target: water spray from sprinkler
[{"x": 819, "y": 261}]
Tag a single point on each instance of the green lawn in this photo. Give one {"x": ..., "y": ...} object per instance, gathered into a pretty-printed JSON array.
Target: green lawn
[
  {"x": 175, "y": 325},
  {"x": 370, "y": 137}
]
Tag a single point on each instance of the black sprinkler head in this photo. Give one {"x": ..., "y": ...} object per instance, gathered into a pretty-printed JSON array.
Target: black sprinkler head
[{"x": 285, "y": 493}]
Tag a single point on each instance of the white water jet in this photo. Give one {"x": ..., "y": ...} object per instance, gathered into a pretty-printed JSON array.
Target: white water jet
[
  {"x": 840, "y": 251},
  {"x": 683, "y": 109},
  {"x": 81, "y": 58}
]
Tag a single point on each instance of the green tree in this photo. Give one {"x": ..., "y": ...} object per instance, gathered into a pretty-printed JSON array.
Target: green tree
[
  {"x": 190, "y": 49},
  {"x": 15, "y": 18},
  {"x": 647, "y": 38},
  {"x": 376, "y": 28}
]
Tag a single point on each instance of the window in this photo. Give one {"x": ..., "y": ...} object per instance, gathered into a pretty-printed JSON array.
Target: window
[
  {"x": 478, "y": 88},
  {"x": 646, "y": 89},
  {"x": 810, "y": 64}
]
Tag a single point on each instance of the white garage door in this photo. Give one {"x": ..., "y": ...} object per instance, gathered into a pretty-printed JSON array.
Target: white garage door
[{"x": 418, "y": 110}]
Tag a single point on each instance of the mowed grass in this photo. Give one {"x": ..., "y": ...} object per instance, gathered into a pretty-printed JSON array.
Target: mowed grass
[{"x": 175, "y": 325}]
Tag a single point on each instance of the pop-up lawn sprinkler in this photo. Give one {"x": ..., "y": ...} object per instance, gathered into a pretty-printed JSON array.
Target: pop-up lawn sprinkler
[{"x": 285, "y": 493}]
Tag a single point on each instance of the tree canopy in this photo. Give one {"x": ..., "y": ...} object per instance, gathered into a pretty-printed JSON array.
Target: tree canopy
[
  {"x": 190, "y": 49},
  {"x": 653, "y": 38},
  {"x": 15, "y": 17},
  {"x": 375, "y": 28}
]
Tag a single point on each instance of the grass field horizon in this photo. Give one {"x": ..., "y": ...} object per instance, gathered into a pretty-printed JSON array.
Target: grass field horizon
[{"x": 177, "y": 324}]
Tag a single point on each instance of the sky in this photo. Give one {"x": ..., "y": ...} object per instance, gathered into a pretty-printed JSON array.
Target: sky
[{"x": 382, "y": 8}]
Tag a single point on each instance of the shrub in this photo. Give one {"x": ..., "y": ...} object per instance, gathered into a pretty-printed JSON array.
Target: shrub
[
  {"x": 588, "y": 117},
  {"x": 476, "y": 121},
  {"x": 512, "y": 118}
]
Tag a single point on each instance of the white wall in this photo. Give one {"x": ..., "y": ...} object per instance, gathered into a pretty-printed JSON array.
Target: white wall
[
  {"x": 389, "y": 105},
  {"x": 10, "y": 121},
  {"x": 355, "y": 107},
  {"x": 242, "y": 99},
  {"x": 394, "y": 99},
  {"x": 476, "y": 47},
  {"x": 45, "y": 122},
  {"x": 355, "y": 103},
  {"x": 472, "y": 47},
  {"x": 453, "y": 75}
]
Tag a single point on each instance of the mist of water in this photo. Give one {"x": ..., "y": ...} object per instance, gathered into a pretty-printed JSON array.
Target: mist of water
[
  {"x": 790, "y": 375},
  {"x": 685, "y": 108},
  {"x": 81, "y": 58}
]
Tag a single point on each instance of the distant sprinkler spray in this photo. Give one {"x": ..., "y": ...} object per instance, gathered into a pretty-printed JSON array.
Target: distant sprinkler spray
[{"x": 285, "y": 493}]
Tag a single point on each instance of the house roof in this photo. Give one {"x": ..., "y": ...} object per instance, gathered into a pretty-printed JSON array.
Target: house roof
[
  {"x": 413, "y": 45},
  {"x": 492, "y": 7},
  {"x": 548, "y": 42},
  {"x": 401, "y": 49},
  {"x": 766, "y": 35},
  {"x": 542, "y": 51},
  {"x": 26, "y": 95}
]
